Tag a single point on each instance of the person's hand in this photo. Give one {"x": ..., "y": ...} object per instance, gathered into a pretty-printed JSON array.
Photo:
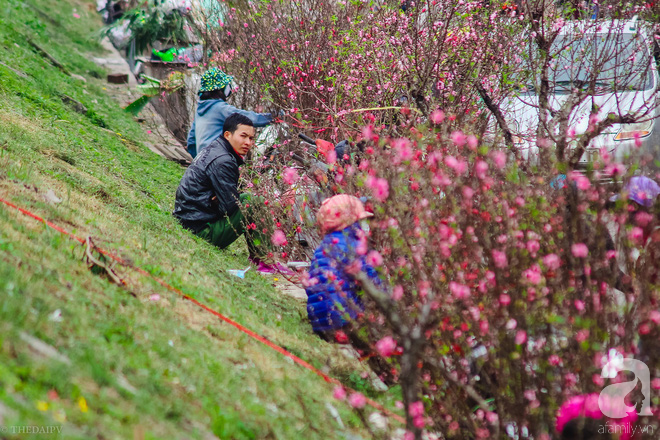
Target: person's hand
[{"x": 278, "y": 116}]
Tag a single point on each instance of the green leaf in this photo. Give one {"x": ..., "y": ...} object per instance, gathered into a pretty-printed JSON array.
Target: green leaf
[
  {"x": 136, "y": 106},
  {"x": 556, "y": 319}
]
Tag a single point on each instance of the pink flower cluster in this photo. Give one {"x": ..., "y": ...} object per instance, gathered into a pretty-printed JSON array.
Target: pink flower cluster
[{"x": 379, "y": 186}]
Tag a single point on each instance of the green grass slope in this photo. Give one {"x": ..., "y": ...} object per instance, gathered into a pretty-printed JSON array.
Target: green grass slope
[{"x": 80, "y": 352}]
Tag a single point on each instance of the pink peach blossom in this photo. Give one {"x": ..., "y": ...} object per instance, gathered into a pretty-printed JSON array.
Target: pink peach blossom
[
  {"x": 331, "y": 157},
  {"x": 357, "y": 400},
  {"x": 339, "y": 393},
  {"x": 403, "y": 151},
  {"x": 459, "y": 166},
  {"x": 472, "y": 142},
  {"x": 552, "y": 261},
  {"x": 386, "y": 346},
  {"x": 397, "y": 293},
  {"x": 533, "y": 274},
  {"x": 458, "y": 138},
  {"x": 642, "y": 218},
  {"x": 499, "y": 259},
  {"x": 480, "y": 169},
  {"x": 597, "y": 379},
  {"x": 416, "y": 409},
  {"x": 279, "y": 238},
  {"x": 374, "y": 259},
  {"x": 533, "y": 246},
  {"x": 582, "y": 335},
  {"x": 353, "y": 268},
  {"x": 615, "y": 169},
  {"x": 554, "y": 360},
  {"x": 499, "y": 158},
  {"x": 437, "y": 116},
  {"x": 581, "y": 181},
  {"x": 636, "y": 235},
  {"x": 379, "y": 187},
  {"x": 459, "y": 290},
  {"x": 368, "y": 131},
  {"x": 290, "y": 175},
  {"x": 521, "y": 337},
  {"x": 655, "y": 383},
  {"x": 579, "y": 250}
]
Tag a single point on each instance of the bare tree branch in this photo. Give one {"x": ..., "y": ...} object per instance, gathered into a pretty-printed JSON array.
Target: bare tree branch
[
  {"x": 499, "y": 117},
  {"x": 597, "y": 130}
]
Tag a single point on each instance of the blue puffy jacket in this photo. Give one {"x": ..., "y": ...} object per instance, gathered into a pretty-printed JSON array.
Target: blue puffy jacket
[
  {"x": 210, "y": 119},
  {"x": 336, "y": 293}
]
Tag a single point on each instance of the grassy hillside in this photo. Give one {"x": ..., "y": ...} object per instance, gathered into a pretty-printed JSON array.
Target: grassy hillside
[{"x": 148, "y": 366}]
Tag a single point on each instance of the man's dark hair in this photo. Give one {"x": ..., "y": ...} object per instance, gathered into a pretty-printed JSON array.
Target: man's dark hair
[
  {"x": 213, "y": 94},
  {"x": 234, "y": 120}
]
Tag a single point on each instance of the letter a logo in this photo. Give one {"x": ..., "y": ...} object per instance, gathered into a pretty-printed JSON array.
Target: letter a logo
[{"x": 612, "y": 399}]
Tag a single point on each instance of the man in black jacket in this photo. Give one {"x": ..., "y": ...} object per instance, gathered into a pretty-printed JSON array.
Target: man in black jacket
[{"x": 207, "y": 200}]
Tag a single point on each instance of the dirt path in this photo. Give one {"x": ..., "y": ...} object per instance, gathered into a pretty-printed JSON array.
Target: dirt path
[
  {"x": 290, "y": 289},
  {"x": 161, "y": 140}
]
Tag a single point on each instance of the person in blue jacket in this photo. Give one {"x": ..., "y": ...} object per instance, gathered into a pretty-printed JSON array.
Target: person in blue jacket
[
  {"x": 212, "y": 110},
  {"x": 333, "y": 300},
  {"x": 334, "y": 306}
]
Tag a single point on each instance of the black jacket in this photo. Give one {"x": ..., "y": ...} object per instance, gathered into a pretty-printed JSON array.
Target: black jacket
[{"x": 214, "y": 172}]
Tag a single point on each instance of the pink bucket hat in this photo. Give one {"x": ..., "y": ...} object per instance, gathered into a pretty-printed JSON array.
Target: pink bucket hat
[{"x": 340, "y": 211}]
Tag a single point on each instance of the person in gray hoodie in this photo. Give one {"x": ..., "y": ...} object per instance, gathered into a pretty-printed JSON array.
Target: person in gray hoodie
[{"x": 213, "y": 109}]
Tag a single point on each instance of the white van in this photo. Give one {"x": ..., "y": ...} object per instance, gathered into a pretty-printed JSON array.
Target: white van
[{"x": 624, "y": 55}]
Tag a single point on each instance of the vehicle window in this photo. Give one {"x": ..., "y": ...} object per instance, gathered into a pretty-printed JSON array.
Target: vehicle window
[{"x": 621, "y": 62}]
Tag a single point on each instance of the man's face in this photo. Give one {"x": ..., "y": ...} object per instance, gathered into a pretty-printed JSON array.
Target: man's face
[{"x": 242, "y": 139}]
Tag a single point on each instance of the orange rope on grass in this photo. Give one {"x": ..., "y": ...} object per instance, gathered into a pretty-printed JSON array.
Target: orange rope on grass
[{"x": 219, "y": 315}]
